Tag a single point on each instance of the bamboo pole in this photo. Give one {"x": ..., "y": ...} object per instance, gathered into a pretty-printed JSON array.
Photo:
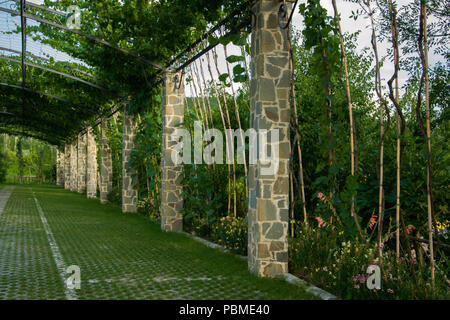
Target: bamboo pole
[
  {"x": 401, "y": 125},
  {"x": 205, "y": 94},
  {"x": 350, "y": 110},
  {"x": 196, "y": 99},
  {"x": 201, "y": 97},
  {"x": 428, "y": 140},
  {"x": 236, "y": 111},
  {"x": 399, "y": 119},
  {"x": 224, "y": 123},
  {"x": 229, "y": 123},
  {"x": 197, "y": 110},
  {"x": 383, "y": 130}
]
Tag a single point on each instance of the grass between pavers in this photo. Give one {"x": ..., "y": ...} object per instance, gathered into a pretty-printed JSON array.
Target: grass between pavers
[
  {"x": 126, "y": 256},
  {"x": 27, "y": 268}
]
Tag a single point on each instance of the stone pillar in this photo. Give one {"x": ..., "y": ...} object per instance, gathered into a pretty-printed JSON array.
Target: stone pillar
[
  {"x": 269, "y": 194},
  {"x": 129, "y": 179},
  {"x": 67, "y": 167},
  {"x": 60, "y": 167},
  {"x": 172, "y": 117},
  {"x": 106, "y": 174},
  {"x": 91, "y": 171},
  {"x": 81, "y": 169},
  {"x": 74, "y": 166}
]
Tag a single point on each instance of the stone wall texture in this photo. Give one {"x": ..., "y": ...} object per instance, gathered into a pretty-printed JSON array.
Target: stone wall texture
[
  {"x": 270, "y": 109},
  {"x": 60, "y": 167},
  {"x": 173, "y": 116},
  {"x": 129, "y": 192},
  {"x": 106, "y": 174},
  {"x": 81, "y": 170},
  {"x": 91, "y": 165},
  {"x": 67, "y": 149},
  {"x": 73, "y": 166}
]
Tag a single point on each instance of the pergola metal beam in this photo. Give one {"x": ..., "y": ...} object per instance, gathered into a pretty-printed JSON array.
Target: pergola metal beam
[
  {"x": 208, "y": 48},
  {"x": 7, "y": 114},
  {"x": 31, "y": 4},
  {"x": 53, "y": 112},
  {"x": 101, "y": 41},
  {"x": 208, "y": 34},
  {"x": 55, "y": 72},
  {"x": 114, "y": 109},
  {"x": 42, "y": 128},
  {"x": 37, "y": 124},
  {"x": 54, "y": 140},
  {"x": 31, "y": 123},
  {"x": 48, "y": 95},
  {"x": 47, "y": 60}
]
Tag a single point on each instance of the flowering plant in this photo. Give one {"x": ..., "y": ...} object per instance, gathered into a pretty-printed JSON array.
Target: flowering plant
[
  {"x": 149, "y": 207},
  {"x": 231, "y": 232}
]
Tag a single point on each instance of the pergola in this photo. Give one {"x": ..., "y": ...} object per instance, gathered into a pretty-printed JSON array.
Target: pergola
[
  {"x": 61, "y": 102},
  {"x": 23, "y": 97}
]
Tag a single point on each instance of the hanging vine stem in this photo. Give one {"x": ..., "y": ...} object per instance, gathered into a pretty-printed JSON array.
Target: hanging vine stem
[
  {"x": 226, "y": 125},
  {"x": 202, "y": 97},
  {"x": 192, "y": 91},
  {"x": 238, "y": 118},
  {"x": 205, "y": 93},
  {"x": 225, "y": 105},
  {"x": 196, "y": 99},
  {"x": 295, "y": 126}
]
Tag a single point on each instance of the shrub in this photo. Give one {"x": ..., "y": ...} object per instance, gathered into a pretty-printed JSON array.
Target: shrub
[
  {"x": 231, "y": 233},
  {"x": 324, "y": 257},
  {"x": 3, "y": 167},
  {"x": 149, "y": 208}
]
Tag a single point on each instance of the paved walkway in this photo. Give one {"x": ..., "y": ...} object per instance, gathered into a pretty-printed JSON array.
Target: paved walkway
[
  {"x": 4, "y": 197},
  {"x": 44, "y": 230}
]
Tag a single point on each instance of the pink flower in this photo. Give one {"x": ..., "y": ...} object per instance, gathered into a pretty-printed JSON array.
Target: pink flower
[
  {"x": 373, "y": 221},
  {"x": 362, "y": 268},
  {"x": 320, "y": 221},
  {"x": 362, "y": 279},
  {"x": 356, "y": 286},
  {"x": 381, "y": 245},
  {"x": 321, "y": 196},
  {"x": 390, "y": 290},
  {"x": 409, "y": 228}
]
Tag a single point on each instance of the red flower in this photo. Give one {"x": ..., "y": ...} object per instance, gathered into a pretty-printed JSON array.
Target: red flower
[{"x": 373, "y": 221}]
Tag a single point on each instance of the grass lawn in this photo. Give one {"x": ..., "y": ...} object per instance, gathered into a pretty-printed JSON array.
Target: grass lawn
[{"x": 121, "y": 256}]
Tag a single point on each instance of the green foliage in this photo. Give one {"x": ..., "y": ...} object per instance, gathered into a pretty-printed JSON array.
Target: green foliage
[
  {"x": 147, "y": 161},
  {"x": 326, "y": 258},
  {"x": 3, "y": 166},
  {"x": 205, "y": 196},
  {"x": 231, "y": 233},
  {"x": 28, "y": 157}
]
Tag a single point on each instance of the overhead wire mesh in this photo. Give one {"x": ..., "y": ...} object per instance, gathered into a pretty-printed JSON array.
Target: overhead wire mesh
[{"x": 44, "y": 66}]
